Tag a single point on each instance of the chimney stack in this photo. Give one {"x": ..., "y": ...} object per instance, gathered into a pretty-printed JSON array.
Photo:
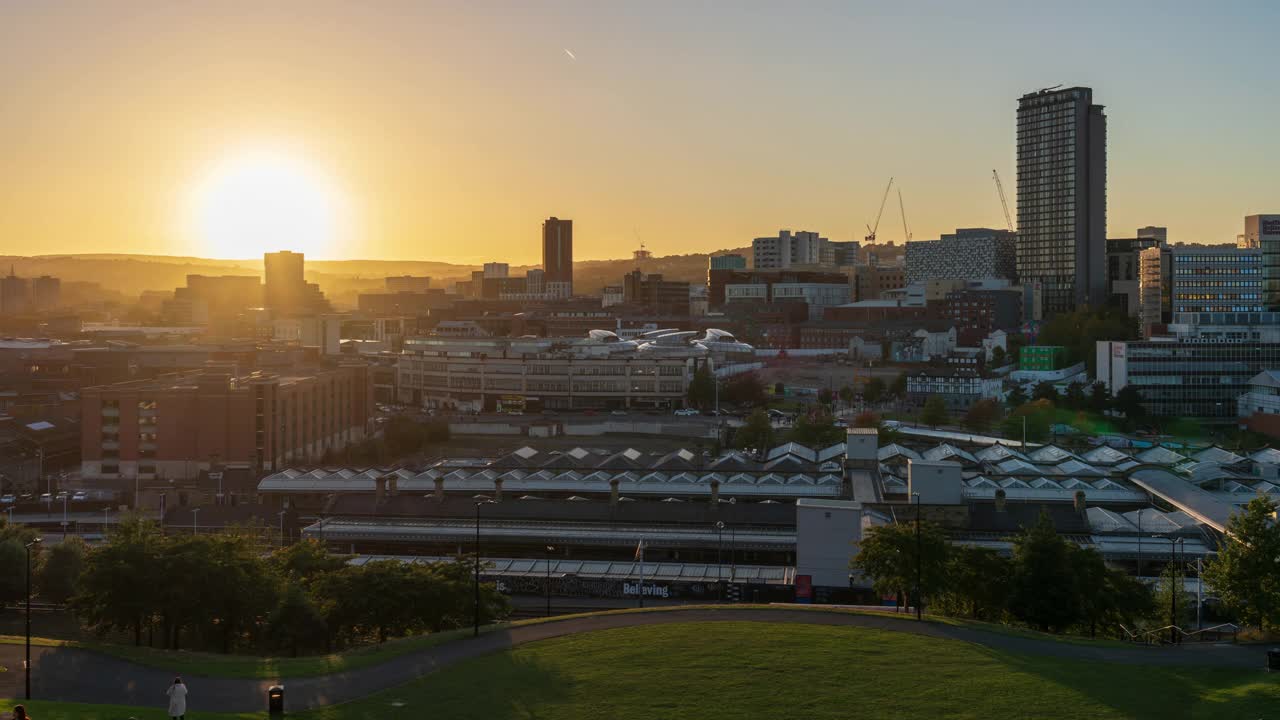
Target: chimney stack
[
  {"x": 439, "y": 491},
  {"x": 715, "y": 493},
  {"x": 613, "y": 491},
  {"x": 380, "y": 489},
  {"x": 1000, "y": 500}
]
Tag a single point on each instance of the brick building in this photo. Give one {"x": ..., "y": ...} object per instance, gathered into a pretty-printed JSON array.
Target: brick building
[{"x": 174, "y": 426}]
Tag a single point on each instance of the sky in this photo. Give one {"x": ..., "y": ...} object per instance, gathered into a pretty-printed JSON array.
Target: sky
[{"x": 449, "y": 131}]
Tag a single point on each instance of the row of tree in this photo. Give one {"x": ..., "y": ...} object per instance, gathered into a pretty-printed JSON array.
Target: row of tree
[
  {"x": 220, "y": 591},
  {"x": 1048, "y": 583}
]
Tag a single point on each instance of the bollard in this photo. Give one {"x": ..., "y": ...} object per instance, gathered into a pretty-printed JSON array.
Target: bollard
[{"x": 275, "y": 701}]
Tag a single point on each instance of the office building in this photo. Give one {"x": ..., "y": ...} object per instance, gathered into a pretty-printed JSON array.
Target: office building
[
  {"x": 1155, "y": 302},
  {"x": 46, "y": 292},
  {"x": 1124, "y": 268},
  {"x": 15, "y": 294},
  {"x": 1217, "y": 284},
  {"x": 721, "y": 269},
  {"x": 871, "y": 281},
  {"x": 1263, "y": 232},
  {"x": 787, "y": 250},
  {"x": 598, "y": 371},
  {"x": 173, "y": 426},
  {"x": 286, "y": 291},
  {"x": 496, "y": 270},
  {"x": 557, "y": 255},
  {"x": 1153, "y": 232},
  {"x": 844, "y": 252},
  {"x": 652, "y": 291},
  {"x": 1062, "y": 201},
  {"x": 408, "y": 283},
  {"x": 969, "y": 253}
]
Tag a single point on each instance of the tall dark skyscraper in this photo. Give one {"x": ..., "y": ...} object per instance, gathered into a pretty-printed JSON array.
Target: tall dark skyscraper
[
  {"x": 557, "y": 250},
  {"x": 1062, "y": 198}
]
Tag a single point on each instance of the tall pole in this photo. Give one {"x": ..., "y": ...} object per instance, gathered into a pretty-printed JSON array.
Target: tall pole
[
  {"x": 1140, "y": 543},
  {"x": 918, "y": 557},
  {"x": 719, "y": 562},
  {"x": 27, "y": 665},
  {"x": 550, "y": 549},
  {"x": 282, "y": 514},
  {"x": 64, "y": 515},
  {"x": 1199, "y": 592},
  {"x": 195, "y": 521},
  {"x": 476, "y": 630}
]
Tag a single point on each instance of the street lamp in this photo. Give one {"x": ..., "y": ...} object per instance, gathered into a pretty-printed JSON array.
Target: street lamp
[
  {"x": 916, "y": 496},
  {"x": 1173, "y": 589},
  {"x": 195, "y": 521},
  {"x": 106, "y": 517},
  {"x": 281, "y": 514},
  {"x": 719, "y": 562},
  {"x": 28, "y": 546},
  {"x": 550, "y": 549},
  {"x": 476, "y": 629}
]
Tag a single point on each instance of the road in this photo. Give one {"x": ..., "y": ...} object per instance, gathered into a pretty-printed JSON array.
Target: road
[{"x": 74, "y": 675}]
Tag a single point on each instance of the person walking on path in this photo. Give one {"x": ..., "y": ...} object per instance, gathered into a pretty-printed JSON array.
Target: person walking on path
[
  {"x": 20, "y": 713},
  {"x": 177, "y": 693}
]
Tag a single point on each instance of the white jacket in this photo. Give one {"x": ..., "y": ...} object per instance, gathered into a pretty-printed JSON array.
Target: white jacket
[{"x": 177, "y": 700}]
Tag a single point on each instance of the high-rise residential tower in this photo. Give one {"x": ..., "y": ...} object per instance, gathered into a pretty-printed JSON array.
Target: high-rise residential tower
[
  {"x": 1062, "y": 197},
  {"x": 557, "y": 251}
]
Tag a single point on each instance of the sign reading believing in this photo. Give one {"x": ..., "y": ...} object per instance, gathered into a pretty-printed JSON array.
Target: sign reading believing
[{"x": 661, "y": 591}]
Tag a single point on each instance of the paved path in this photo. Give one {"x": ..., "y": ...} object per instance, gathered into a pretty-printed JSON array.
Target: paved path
[{"x": 76, "y": 675}]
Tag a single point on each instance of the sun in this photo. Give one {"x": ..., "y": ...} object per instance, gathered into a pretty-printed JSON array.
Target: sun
[{"x": 262, "y": 200}]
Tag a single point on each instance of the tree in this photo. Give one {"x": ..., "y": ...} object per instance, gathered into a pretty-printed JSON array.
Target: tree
[
  {"x": 122, "y": 578},
  {"x": 1074, "y": 398},
  {"x": 899, "y": 387},
  {"x": 1015, "y": 397},
  {"x": 866, "y": 419},
  {"x": 1245, "y": 573},
  {"x": 1129, "y": 403},
  {"x": 888, "y": 556},
  {"x": 1044, "y": 590},
  {"x": 702, "y": 388},
  {"x": 60, "y": 570},
  {"x": 846, "y": 396},
  {"x": 1081, "y": 330},
  {"x": 13, "y": 571},
  {"x": 816, "y": 428},
  {"x": 1038, "y": 418},
  {"x": 1045, "y": 391},
  {"x": 1099, "y": 397},
  {"x": 305, "y": 562},
  {"x": 296, "y": 623},
  {"x": 873, "y": 391},
  {"x": 757, "y": 432},
  {"x": 998, "y": 356},
  {"x": 826, "y": 397},
  {"x": 977, "y": 583},
  {"x": 779, "y": 389},
  {"x": 1170, "y": 595},
  {"x": 934, "y": 412},
  {"x": 982, "y": 415},
  {"x": 744, "y": 389},
  {"x": 1106, "y": 596}
]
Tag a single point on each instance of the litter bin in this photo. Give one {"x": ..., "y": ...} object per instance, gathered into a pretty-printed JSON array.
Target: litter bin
[
  {"x": 1273, "y": 659},
  {"x": 275, "y": 700}
]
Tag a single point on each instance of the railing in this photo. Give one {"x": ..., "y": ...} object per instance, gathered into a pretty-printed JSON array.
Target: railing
[{"x": 1160, "y": 636}]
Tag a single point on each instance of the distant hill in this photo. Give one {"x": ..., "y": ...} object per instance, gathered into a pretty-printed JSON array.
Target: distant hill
[{"x": 131, "y": 275}]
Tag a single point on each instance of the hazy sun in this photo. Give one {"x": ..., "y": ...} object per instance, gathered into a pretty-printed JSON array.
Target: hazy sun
[{"x": 265, "y": 200}]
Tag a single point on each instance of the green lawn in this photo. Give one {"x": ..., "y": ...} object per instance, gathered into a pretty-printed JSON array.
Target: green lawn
[
  {"x": 735, "y": 670},
  {"x": 272, "y": 668}
]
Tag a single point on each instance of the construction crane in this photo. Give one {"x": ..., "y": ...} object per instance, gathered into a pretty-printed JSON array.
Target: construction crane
[
  {"x": 871, "y": 237},
  {"x": 905, "y": 232},
  {"x": 1003, "y": 203}
]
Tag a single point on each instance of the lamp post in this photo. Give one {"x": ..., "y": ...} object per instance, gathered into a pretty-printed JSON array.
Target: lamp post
[
  {"x": 919, "y": 614},
  {"x": 1173, "y": 589},
  {"x": 281, "y": 514},
  {"x": 64, "y": 514},
  {"x": 27, "y": 664},
  {"x": 550, "y": 549},
  {"x": 1140, "y": 543},
  {"x": 106, "y": 517},
  {"x": 719, "y": 562},
  {"x": 195, "y": 521},
  {"x": 476, "y": 629}
]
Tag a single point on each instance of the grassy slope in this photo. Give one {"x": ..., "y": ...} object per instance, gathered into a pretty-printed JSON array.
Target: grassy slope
[
  {"x": 737, "y": 670},
  {"x": 272, "y": 668},
  {"x": 740, "y": 669}
]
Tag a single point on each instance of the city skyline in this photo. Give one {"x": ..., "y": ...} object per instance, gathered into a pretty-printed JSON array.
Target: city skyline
[{"x": 686, "y": 129}]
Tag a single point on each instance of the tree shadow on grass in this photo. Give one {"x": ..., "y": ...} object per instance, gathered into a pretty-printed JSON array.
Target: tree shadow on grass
[
  {"x": 501, "y": 686},
  {"x": 1165, "y": 692}
]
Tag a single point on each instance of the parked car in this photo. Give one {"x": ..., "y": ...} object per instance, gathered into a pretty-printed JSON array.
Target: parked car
[
  {"x": 686, "y": 412},
  {"x": 8, "y": 499},
  {"x": 46, "y": 498},
  {"x": 618, "y": 412},
  {"x": 80, "y": 496}
]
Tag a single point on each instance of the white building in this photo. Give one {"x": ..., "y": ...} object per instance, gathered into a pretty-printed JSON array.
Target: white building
[{"x": 786, "y": 250}]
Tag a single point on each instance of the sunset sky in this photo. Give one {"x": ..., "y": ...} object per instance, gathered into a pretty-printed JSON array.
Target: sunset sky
[{"x": 448, "y": 131}]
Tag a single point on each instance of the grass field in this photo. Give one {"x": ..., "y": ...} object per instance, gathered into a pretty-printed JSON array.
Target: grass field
[{"x": 746, "y": 670}]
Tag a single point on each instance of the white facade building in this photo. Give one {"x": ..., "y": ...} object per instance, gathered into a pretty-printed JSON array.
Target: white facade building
[{"x": 787, "y": 249}]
